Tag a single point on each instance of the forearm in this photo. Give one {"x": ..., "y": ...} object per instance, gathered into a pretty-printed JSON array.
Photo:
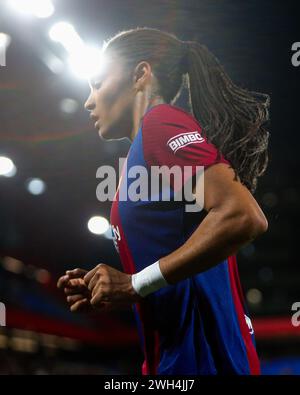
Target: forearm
[{"x": 218, "y": 236}]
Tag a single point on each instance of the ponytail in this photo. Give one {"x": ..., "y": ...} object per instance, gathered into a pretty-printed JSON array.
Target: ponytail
[{"x": 232, "y": 117}]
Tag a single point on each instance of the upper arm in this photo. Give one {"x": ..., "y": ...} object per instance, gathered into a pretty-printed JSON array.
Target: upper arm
[{"x": 223, "y": 190}]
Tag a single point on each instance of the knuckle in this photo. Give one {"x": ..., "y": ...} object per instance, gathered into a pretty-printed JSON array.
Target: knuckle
[
  {"x": 103, "y": 283},
  {"x": 107, "y": 280},
  {"x": 93, "y": 302}
]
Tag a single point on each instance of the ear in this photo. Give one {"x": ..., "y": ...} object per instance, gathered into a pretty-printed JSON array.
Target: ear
[{"x": 142, "y": 75}]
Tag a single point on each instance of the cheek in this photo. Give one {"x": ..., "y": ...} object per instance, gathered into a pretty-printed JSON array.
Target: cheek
[{"x": 113, "y": 95}]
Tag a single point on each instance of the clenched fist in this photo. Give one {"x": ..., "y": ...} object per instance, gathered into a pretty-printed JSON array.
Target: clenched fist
[
  {"x": 77, "y": 293},
  {"x": 107, "y": 284},
  {"x": 102, "y": 288}
]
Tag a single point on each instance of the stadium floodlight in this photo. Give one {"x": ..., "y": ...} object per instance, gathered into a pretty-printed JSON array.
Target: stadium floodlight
[
  {"x": 5, "y": 40},
  {"x": 38, "y": 8},
  {"x": 7, "y": 167},
  {"x": 65, "y": 34},
  {"x": 98, "y": 225},
  {"x": 36, "y": 186},
  {"x": 84, "y": 61},
  {"x": 87, "y": 63}
]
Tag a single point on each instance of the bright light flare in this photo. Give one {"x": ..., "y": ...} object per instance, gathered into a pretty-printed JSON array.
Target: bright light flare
[
  {"x": 5, "y": 40},
  {"x": 38, "y": 8},
  {"x": 87, "y": 63},
  {"x": 98, "y": 225},
  {"x": 66, "y": 35},
  {"x": 84, "y": 61},
  {"x": 7, "y": 167},
  {"x": 36, "y": 186}
]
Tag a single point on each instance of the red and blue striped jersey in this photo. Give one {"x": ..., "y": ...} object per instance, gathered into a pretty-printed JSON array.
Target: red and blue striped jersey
[{"x": 199, "y": 325}]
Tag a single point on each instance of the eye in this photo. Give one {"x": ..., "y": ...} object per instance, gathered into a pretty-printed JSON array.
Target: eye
[{"x": 96, "y": 84}]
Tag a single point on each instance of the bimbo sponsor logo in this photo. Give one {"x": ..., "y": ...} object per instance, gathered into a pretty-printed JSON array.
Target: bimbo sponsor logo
[{"x": 183, "y": 139}]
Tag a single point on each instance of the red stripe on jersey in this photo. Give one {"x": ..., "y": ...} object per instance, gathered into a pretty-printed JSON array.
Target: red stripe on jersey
[{"x": 238, "y": 297}]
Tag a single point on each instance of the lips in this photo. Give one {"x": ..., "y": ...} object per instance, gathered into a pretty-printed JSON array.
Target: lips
[{"x": 94, "y": 118}]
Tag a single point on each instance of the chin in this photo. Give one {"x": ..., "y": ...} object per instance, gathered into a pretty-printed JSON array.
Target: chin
[
  {"x": 102, "y": 132},
  {"x": 105, "y": 135},
  {"x": 108, "y": 134}
]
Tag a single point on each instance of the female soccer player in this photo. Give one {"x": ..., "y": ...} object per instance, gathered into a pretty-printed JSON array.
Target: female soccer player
[{"x": 180, "y": 270}]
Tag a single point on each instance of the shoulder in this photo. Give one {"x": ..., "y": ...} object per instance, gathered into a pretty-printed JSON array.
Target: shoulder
[
  {"x": 172, "y": 135},
  {"x": 166, "y": 120},
  {"x": 168, "y": 128},
  {"x": 165, "y": 110}
]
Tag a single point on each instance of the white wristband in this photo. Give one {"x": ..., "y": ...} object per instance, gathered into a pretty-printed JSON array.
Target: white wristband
[{"x": 148, "y": 280}]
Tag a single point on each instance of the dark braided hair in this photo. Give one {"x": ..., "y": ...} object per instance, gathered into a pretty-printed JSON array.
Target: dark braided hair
[{"x": 232, "y": 118}]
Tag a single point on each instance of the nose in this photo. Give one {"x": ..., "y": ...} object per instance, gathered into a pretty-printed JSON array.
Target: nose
[{"x": 89, "y": 104}]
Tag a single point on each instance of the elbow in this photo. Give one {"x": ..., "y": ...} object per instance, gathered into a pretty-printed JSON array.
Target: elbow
[{"x": 253, "y": 224}]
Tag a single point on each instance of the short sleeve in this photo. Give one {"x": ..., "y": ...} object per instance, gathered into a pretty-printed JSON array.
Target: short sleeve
[{"x": 172, "y": 136}]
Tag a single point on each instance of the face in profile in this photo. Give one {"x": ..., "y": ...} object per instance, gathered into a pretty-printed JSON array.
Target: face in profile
[{"x": 111, "y": 102}]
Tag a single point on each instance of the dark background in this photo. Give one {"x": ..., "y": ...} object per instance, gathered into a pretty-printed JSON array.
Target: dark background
[{"x": 253, "y": 42}]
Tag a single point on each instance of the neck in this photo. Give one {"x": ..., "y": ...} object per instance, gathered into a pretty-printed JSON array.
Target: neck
[{"x": 142, "y": 105}]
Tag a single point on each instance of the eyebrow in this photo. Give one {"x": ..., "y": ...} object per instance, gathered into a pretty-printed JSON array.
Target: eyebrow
[{"x": 96, "y": 79}]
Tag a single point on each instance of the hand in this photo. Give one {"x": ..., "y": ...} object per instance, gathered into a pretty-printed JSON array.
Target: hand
[
  {"x": 78, "y": 294},
  {"x": 110, "y": 287}
]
